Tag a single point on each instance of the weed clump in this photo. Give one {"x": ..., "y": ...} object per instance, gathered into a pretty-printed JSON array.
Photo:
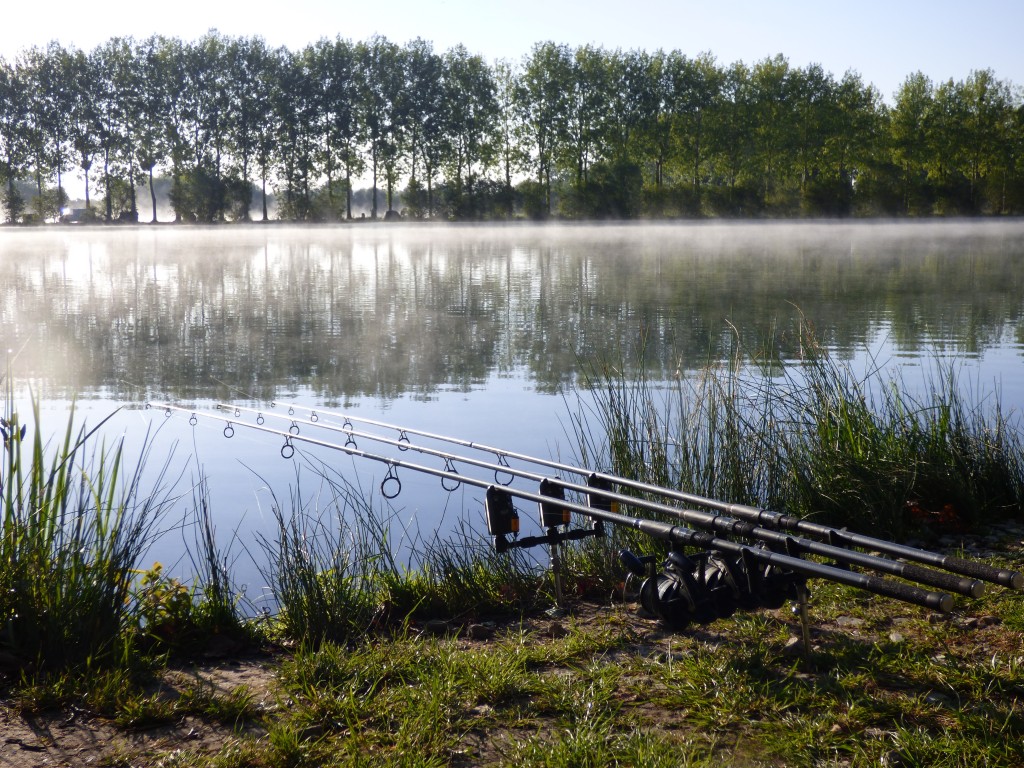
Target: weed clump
[{"x": 809, "y": 438}]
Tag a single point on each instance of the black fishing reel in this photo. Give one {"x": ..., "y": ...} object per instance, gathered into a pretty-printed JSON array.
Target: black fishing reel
[{"x": 708, "y": 586}]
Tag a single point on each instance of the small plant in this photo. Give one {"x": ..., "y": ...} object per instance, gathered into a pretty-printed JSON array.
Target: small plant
[{"x": 163, "y": 605}]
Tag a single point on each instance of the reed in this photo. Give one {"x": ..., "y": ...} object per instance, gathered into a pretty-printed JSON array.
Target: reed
[
  {"x": 810, "y": 438},
  {"x": 870, "y": 454},
  {"x": 74, "y": 526},
  {"x": 207, "y": 611},
  {"x": 335, "y": 574}
]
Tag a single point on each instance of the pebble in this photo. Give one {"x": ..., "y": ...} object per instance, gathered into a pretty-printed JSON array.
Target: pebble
[
  {"x": 793, "y": 647},
  {"x": 849, "y": 621},
  {"x": 557, "y": 629},
  {"x": 937, "y": 699},
  {"x": 896, "y": 637},
  {"x": 893, "y": 759},
  {"x": 480, "y": 632},
  {"x": 436, "y": 627}
]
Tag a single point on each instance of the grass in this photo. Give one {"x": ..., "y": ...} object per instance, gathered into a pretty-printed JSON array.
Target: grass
[
  {"x": 613, "y": 689},
  {"x": 71, "y": 540},
  {"x": 811, "y": 439},
  {"x": 334, "y": 576},
  {"x": 76, "y": 605}
]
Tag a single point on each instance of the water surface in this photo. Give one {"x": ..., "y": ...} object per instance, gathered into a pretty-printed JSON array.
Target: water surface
[{"x": 481, "y": 332}]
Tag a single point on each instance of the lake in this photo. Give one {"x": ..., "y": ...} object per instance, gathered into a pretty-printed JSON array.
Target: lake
[{"x": 480, "y": 332}]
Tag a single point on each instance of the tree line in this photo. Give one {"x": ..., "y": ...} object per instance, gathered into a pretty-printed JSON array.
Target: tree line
[{"x": 580, "y": 132}]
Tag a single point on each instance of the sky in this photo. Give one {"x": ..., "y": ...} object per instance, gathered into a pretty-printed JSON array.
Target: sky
[{"x": 883, "y": 40}]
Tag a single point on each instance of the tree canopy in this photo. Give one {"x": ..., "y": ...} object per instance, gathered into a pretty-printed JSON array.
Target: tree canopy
[{"x": 571, "y": 133}]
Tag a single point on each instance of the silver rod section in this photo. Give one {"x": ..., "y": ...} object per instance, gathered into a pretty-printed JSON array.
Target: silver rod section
[
  {"x": 703, "y": 520},
  {"x": 970, "y": 568},
  {"x": 934, "y": 600}
]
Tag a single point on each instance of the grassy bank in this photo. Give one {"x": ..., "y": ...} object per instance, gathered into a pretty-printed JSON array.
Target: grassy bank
[{"x": 882, "y": 685}]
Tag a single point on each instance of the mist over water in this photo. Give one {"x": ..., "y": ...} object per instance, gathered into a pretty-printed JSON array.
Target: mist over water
[
  {"x": 475, "y": 331},
  {"x": 390, "y": 312}
]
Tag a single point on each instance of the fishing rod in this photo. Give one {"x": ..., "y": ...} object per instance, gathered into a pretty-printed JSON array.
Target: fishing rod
[
  {"x": 728, "y": 576},
  {"x": 761, "y": 517},
  {"x": 700, "y": 519}
]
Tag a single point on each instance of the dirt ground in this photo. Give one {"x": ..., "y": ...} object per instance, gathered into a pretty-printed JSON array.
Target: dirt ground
[{"x": 73, "y": 738}]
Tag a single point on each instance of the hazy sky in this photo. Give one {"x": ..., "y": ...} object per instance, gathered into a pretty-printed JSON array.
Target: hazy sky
[{"x": 883, "y": 40}]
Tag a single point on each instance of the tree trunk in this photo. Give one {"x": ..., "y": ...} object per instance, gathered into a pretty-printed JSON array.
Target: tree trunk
[
  {"x": 264, "y": 191},
  {"x": 106, "y": 182},
  {"x": 348, "y": 193},
  {"x": 85, "y": 174},
  {"x": 428, "y": 170},
  {"x": 373, "y": 203},
  {"x": 131, "y": 192},
  {"x": 152, "y": 194}
]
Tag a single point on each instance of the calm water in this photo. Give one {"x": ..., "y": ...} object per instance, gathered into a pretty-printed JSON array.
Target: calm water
[{"x": 480, "y": 332}]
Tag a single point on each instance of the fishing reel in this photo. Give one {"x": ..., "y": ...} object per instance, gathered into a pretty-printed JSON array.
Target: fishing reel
[{"x": 708, "y": 586}]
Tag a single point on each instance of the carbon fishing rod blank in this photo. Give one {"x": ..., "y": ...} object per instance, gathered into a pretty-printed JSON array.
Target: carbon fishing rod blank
[{"x": 603, "y": 482}]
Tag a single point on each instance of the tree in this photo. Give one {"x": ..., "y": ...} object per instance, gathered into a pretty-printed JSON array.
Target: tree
[
  {"x": 853, "y": 144},
  {"x": 334, "y": 66},
  {"x": 170, "y": 68},
  {"x": 812, "y": 92},
  {"x": 201, "y": 194},
  {"x": 600, "y": 133},
  {"x": 50, "y": 105},
  {"x": 296, "y": 113},
  {"x": 14, "y": 148},
  {"x": 910, "y": 142},
  {"x": 733, "y": 146},
  {"x": 986, "y": 107},
  {"x": 472, "y": 108},
  {"x": 115, "y": 95},
  {"x": 542, "y": 105},
  {"x": 153, "y": 113},
  {"x": 773, "y": 125},
  {"x": 692, "y": 91},
  {"x": 248, "y": 118},
  {"x": 381, "y": 80},
  {"x": 510, "y": 135},
  {"x": 588, "y": 107},
  {"x": 265, "y": 149},
  {"x": 84, "y": 120},
  {"x": 427, "y": 123}
]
